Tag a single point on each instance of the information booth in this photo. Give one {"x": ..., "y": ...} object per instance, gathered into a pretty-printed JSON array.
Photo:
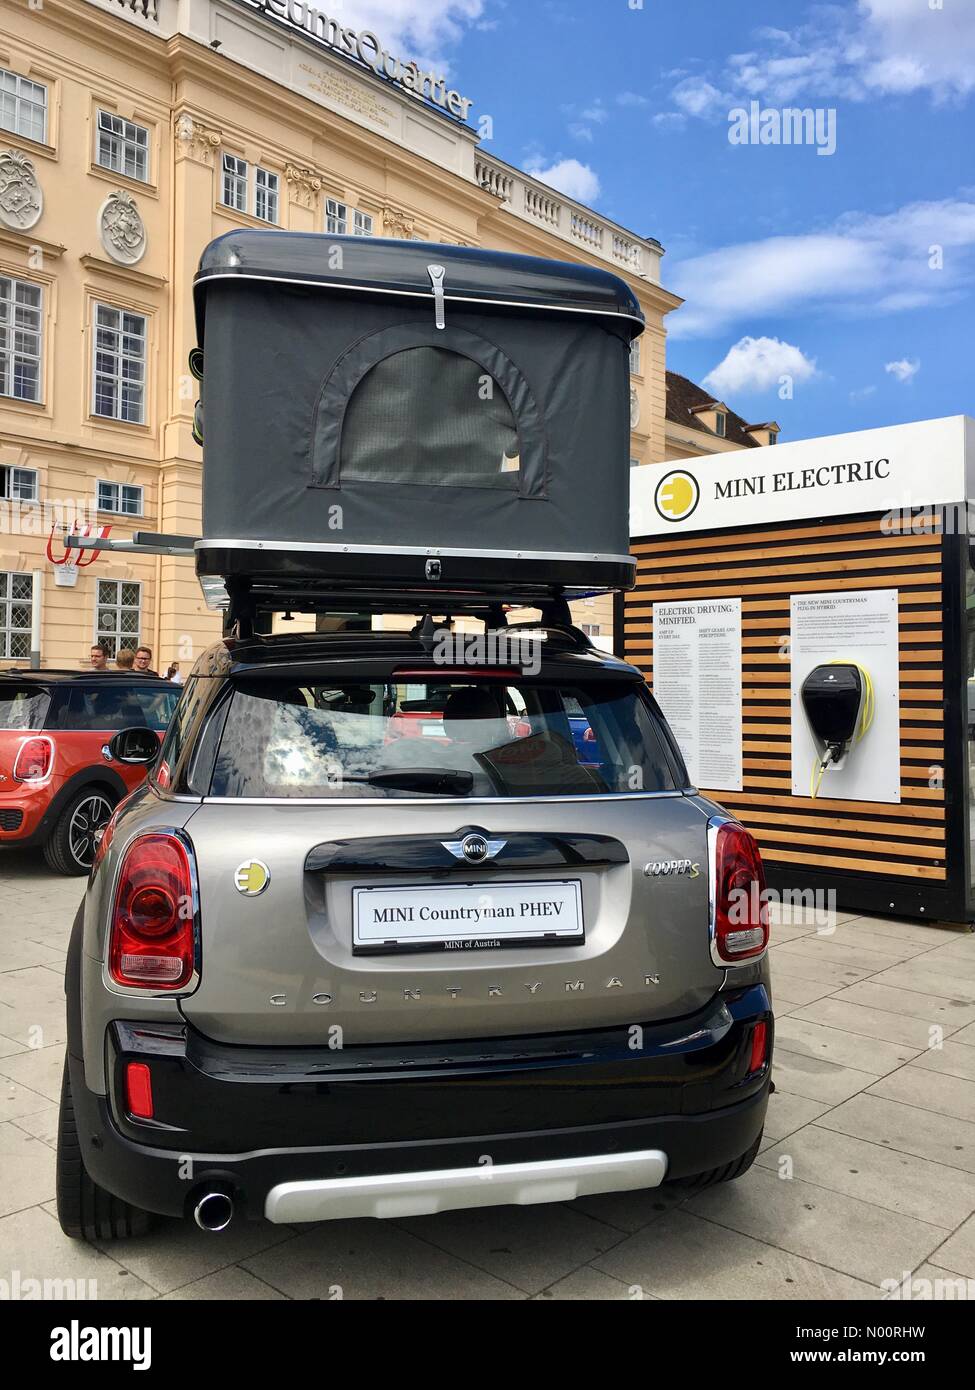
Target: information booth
[{"x": 785, "y": 592}]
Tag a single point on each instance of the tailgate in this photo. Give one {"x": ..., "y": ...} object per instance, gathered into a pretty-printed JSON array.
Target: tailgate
[{"x": 561, "y": 929}]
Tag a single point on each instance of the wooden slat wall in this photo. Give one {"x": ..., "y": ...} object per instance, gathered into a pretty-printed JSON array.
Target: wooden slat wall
[{"x": 763, "y": 566}]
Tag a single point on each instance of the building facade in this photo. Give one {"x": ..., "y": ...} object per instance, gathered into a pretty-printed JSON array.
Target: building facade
[{"x": 132, "y": 132}]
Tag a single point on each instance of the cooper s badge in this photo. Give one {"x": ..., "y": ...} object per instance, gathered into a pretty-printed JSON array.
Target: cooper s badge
[{"x": 672, "y": 868}]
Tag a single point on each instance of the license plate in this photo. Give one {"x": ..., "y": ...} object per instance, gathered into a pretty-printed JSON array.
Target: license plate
[{"x": 467, "y": 916}]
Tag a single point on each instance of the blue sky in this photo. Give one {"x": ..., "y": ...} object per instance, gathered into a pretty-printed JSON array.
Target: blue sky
[{"x": 792, "y": 262}]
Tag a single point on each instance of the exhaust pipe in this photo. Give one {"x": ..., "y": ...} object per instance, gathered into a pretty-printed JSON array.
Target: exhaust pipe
[{"x": 214, "y": 1211}]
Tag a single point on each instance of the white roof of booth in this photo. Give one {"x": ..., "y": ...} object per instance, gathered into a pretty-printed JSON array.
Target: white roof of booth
[{"x": 899, "y": 467}]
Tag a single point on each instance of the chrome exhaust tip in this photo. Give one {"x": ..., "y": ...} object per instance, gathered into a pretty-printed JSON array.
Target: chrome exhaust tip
[{"x": 214, "y": 1211}]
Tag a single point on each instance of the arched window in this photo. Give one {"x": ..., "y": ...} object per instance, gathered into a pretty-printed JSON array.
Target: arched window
[{"x": 434, "y": 408}]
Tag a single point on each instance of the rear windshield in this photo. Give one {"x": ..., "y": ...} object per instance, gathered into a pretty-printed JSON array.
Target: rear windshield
[
  {"x": 22, "y": 707},
  {"x": 109, "y": 706},
  {"x": 449, "y": 738}
]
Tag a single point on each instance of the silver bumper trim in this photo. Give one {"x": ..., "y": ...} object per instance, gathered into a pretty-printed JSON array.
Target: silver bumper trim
[{"x": 449, "y": 1189}]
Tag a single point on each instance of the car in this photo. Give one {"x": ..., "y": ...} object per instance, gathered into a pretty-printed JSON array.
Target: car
[
  {"x": 324, "y": 972},
  {"x": 58, "y": 781}
]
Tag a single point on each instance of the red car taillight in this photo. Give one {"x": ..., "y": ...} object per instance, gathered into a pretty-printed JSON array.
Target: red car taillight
[
  {"x": 34, "y": 760},
  {"x": 739, "y": 897},
  {"x": 152, "y": 939},
  {"x": 759, "y": 1048}
]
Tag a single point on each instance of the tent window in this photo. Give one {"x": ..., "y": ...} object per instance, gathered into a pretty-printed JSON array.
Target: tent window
[{"x": 431, "y": 416}]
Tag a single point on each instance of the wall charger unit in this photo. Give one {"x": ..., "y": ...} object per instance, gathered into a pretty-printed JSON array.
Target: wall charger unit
[{"x": 838, "y": 701}]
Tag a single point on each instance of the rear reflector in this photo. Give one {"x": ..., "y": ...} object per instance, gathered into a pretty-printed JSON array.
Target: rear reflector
[
  {"x": 138, "y": 1090},
  {"x": 739, "y": 929},
  {"x": 759, "y": 1045}
]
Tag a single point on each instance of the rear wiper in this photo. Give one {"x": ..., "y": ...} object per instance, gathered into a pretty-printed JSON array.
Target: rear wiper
[{"x": 427, "y": 779}]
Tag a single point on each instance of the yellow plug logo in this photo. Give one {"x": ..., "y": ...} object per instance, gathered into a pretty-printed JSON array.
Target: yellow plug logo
[{"x": 677, "y": 495}]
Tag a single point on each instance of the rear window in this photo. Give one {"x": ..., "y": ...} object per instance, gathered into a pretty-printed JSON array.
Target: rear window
[
  {"x": 114, "y": 707},
  {"x": 449, "y": 738},
  {"x": 23, "y": 707}
]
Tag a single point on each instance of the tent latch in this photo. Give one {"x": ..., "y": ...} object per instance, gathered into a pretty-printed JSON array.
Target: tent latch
[
  {"x": 433, "y": 571},
  {"x": 436, "y": 273}
]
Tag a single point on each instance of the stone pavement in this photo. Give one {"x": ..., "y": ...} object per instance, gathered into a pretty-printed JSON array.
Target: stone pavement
[{"x": 867, "y": 1171}]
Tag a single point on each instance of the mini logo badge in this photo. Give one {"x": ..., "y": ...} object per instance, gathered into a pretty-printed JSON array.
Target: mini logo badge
[
  {"x": 475, "y": 848},
  {"x": 252, "y": 877},
  {"x": 677, "y": 495}
]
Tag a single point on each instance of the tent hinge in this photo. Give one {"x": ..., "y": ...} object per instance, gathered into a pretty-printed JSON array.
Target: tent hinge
[{"x": 437, "y": 273}]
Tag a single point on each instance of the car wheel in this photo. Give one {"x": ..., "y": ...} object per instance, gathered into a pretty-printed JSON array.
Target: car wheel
[
  {"x": 71, "y": 845},
  {"x": 728, "y": 1172},
  {"x": 85, "y": 1210}
]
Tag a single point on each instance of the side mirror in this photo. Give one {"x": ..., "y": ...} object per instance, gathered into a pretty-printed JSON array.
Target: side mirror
[{"x": 137, "y": 746}]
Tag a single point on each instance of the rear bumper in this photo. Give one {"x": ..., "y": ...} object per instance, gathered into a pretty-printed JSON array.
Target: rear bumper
[{"x": 386, "y": 1131}]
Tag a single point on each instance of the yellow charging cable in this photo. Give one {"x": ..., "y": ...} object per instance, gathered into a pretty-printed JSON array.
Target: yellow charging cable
[{"x": 867, "y": 710}]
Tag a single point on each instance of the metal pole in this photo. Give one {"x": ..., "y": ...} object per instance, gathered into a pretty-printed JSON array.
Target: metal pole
[{"x": 37, "y": 591}]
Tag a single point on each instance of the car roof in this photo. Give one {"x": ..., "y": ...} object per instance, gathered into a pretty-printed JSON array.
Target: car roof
[
  {"x": 360, "y": 655},
  {"x": 30, "y": 676}
]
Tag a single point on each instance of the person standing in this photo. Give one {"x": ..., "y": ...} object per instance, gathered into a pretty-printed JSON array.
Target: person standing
[
  {"x": 99, "y": 657},
  {"x": 143, "y": 655},
  {"x": 125, "y": 659}
]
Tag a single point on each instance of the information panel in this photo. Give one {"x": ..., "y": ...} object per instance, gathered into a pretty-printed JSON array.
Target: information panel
[
  {"x": 697, "y": 683},
  {"x": 858, "y": 627}
]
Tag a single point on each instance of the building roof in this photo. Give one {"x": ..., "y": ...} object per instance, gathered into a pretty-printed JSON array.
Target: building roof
[{"x": 684, "y": 397}]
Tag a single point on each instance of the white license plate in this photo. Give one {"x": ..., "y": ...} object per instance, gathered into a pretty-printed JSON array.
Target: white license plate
[{"x": 467, "y": 916}]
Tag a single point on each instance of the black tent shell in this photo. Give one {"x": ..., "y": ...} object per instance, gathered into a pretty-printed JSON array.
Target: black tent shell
[{"x": 401, "y": 412}]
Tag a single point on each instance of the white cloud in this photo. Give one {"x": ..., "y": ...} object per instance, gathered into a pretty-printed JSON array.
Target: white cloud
[
  {"x": 675, "y": 120},
  {"x": 757, "y": 364},
  {"x": 878, "y": 262},
  {"x": 421, "y": 29},
  {"x": 631, "y": 99},
  {"x": 695, "y": 96},
  {"x": 568, "y": 176},
  {"x": 578, "y": 131},
  {"x": 904, "y": 371},
  {"x": 863, "y": 393},
  {"x": 855, "y": 53}
]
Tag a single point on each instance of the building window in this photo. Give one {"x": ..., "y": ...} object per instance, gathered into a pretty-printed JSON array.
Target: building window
[
  {"x": 720, "y": 424},
  {"x": 123, "y": 498},
  {"x": 18, "y": 484},
  {"x": 123, "y": 146},
  {"x": 20, "y": 339},
  {"x": 265, "y": 195},
  {"x": 634, "y": 463},
  {"x": 120, "y": 364},
  {"x": 336, "y": 217},
  {"x": 23, "y": 106},
  {"x": 16, "y": 612},
  {"x": 635, "y": 357},
  {"x": 591, "y": 629},
  {"x": 234, "y": 193},
  {"x": 773, "y": 438},
  {"x": 338, "y": 221},
  {"x": 119, "y": 614}
]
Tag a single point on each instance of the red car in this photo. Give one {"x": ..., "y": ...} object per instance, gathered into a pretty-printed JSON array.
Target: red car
[{"x": 59, "y": 783}]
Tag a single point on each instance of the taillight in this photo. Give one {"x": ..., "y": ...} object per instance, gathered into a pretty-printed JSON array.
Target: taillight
[
  {"x": 152, "y": 940},
  {"x": 740, "y": 907},
  {"x": 34, "y": 760}
]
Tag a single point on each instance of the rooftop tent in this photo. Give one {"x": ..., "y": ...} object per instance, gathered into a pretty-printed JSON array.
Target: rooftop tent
[{"x": 400, "y": 412}]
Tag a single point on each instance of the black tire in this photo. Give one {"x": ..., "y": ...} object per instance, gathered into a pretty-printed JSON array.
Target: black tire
[
  {"x": 70, "y": 847},
  {"x": 728, "y": 1172},
  {"x": 85, "y": 1210}
]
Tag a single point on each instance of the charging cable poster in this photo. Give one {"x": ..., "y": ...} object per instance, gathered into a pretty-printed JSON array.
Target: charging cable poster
[
  {"x": 845, "y": 696},
  {"x": 697, "y": 684}
]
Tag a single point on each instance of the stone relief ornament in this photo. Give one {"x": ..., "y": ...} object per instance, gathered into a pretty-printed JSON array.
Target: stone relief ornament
[
  {"x": 195, "y": 139},
  {"x": 21, "y": 196},
  {"x": 397, "y": 223},
  {"x": 305, "y": 185},
  {"x": 121, "y": 228}
]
